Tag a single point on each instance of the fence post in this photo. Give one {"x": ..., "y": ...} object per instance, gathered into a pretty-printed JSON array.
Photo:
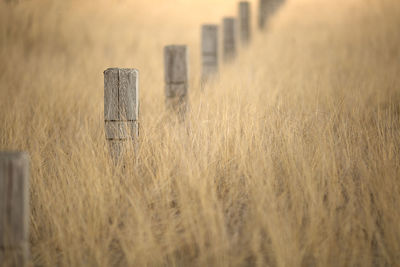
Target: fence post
[
  {"x": 176, "y": 78},
  {"x": 263, "y": 13},
  {"x": 209, "y": 51},
  {"x": 14, "y": 208},
  {"x": 121, "y": 109},
  {"x": 229, "y": 39},
  {"x": 245, "y": 22},
  {"x": 266, "y": 9}
]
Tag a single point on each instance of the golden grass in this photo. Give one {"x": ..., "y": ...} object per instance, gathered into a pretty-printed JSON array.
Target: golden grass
[{"x": 292, "y": 158}]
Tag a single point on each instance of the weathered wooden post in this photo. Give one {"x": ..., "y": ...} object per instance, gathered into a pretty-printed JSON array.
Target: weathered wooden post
[
  {"x": 176, "y": 78},
  {"x": 121, "y": 109},
  {"x": 229, "y": 39},
  {"x": 245, "y": 22},
  {"x": 209, "y": 51},
  {"x": 14, "y": 208}
]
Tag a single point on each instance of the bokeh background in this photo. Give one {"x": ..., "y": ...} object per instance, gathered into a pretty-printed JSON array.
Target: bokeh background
[{"x": 290, "y": 158}]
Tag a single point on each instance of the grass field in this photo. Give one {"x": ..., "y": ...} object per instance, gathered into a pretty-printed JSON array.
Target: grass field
[{"x": 292, "y": 157}]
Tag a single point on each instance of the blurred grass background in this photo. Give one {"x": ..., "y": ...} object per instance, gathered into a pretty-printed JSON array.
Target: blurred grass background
[{"x": 292, "y": 157}]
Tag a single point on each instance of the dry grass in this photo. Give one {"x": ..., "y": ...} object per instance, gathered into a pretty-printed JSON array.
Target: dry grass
[{"x": 292, "y": 158}]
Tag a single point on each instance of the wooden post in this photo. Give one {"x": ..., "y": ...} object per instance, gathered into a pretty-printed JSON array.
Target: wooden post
[
  {"x": 229, "y": 39},
  {"x": 263, "y": 13},
  {"x": 266, "y": 9},
  {"x": 176, "y": 78},
  {"x": 121, "y": 109},
  {"x": 244, "y": 22},
  {"x": 209, "y": 50},
  {"x": 14, "y": 208}
]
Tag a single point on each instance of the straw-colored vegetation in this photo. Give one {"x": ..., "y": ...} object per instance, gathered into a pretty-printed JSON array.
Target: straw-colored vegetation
[{"x": 292, "y": 158}]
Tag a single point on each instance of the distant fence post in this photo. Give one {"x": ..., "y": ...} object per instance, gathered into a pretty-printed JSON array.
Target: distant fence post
[
  {"x": 176, "y": 78},
  {"x": 245, "y": 22},
  {"x": 263, "y": 13},
  {"x": 121, "y": 109},
  {"x": 266, "y": 9},
  {"x": 209, "y": 51},
  {"x": 229, "y": 39},
  {"x": 14, "y": 208}
]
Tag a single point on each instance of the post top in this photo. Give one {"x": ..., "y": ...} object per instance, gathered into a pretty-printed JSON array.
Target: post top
[
  {"x": 229, "y": 18},
  {"x": 168, "y": 47},
  {"x": 125, "y": 70},
  {"x": 13, "y": 155},
  {"x": 209, "y": 26},
  {"x": 244, "y": 3}
]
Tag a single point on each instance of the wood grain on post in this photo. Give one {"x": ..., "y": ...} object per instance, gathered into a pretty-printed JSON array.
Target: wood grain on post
[
  {"x": 209, "y": 50},
  {"x": 229, "y": 39},
  {"x": 244, "y": 22},
  {"x": 14, "y": 208},
  {"x": 121, "y": 108},
  {"x": 176, "y": 78}
]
